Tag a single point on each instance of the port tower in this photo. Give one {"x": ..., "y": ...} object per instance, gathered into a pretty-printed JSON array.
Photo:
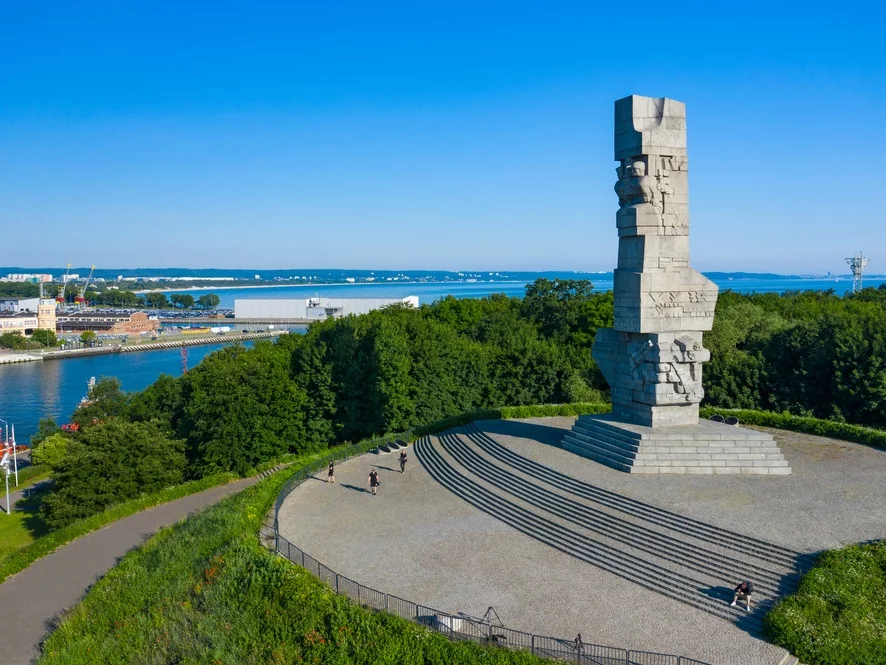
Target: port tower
[{"x": 856, "y": 265}]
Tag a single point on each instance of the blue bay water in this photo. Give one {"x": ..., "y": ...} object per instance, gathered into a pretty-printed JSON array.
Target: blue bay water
[
  {"x": 429, "y": 292},
  {"x": 29, "y": 391}
]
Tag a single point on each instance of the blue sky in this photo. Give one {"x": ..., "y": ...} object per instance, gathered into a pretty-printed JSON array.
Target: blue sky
[{"x": 430, "y": 135}]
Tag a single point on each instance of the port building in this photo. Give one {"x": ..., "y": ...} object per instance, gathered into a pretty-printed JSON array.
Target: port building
[
  {"x": 25, "y": 315},
  {"x": 111, "y": 323},
  {"x": 312, "y": 308}
]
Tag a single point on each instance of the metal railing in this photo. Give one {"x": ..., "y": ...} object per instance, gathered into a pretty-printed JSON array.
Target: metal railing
[{"x": 458, "y": 627}]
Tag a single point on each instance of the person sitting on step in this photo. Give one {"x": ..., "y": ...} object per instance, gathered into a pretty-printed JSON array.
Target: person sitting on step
[{"x": 743, "y": 592}]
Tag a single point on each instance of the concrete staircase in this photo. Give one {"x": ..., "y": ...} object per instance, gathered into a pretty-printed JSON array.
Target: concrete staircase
[
  {"x": 680, "y": 558},
  {"x": 709, "y": 448}
]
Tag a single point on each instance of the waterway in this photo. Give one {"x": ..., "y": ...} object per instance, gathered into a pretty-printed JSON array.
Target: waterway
[{"x": 30, "y": 391}]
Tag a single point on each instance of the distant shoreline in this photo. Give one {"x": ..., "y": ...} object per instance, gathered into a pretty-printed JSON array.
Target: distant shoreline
[{"x": 318, "y": 286}]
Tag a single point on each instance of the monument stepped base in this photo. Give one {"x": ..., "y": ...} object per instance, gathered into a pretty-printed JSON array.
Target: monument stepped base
[{"x": 709, "y": 448}]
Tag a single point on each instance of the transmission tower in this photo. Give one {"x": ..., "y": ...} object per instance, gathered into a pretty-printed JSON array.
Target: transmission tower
[
  {"x": 856, "y": 265},
  {"x": 184, "y": 359}
]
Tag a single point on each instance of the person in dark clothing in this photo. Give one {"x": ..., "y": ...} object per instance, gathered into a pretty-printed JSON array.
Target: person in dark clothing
[
  {"x": 330, "y": 476},
  {"x": 373, "y": 480},
  {"x": 402, "y": 461},
  {"x": 743, "y": 592}
]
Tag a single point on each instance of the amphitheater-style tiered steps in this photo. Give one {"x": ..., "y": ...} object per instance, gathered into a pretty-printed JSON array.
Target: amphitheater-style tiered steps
[
  {"x": 709, "y": 448},
  {"x": 678, "y": 557}
]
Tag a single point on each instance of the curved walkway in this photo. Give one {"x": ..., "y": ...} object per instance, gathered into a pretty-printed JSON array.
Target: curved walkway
[{"x": 30, "y": 600}]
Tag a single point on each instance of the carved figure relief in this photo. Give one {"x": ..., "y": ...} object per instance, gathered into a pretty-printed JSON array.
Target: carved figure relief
[
  {"x": 634, "y": 187},
  {"x": 677, "y": 364}
]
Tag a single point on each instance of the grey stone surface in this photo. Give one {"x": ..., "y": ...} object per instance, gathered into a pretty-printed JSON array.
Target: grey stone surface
[
  {"x": 704, "y": 448},
  {"x": 419, "y": 541},
  {"x": 652, "y": 356}
]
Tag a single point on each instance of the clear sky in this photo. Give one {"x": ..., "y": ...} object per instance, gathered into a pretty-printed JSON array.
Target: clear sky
[{"x": 449, "y": 135}]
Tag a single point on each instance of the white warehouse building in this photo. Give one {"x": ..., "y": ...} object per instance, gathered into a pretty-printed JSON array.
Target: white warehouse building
[{"x": 312, "y": 308}]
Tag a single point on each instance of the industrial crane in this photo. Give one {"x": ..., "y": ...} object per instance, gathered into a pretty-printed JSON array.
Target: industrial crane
[
  {"x": 60, "y": 298},
  {"x": 81, "y": 300}
]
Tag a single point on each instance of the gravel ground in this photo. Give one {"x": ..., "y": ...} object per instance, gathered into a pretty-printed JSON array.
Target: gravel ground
[{"x": 417, "y": 540}]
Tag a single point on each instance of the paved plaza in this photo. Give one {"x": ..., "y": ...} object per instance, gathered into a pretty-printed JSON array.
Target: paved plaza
[{"x": 418, "y": 540}]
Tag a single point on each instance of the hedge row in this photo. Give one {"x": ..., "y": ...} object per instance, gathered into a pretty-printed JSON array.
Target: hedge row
[
  {"x": 786, "y": 421},
  {"x": 509, "y": 412}
]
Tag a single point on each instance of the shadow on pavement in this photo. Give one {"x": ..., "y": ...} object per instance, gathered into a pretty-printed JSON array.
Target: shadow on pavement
[{"x": 355, "y": 488}]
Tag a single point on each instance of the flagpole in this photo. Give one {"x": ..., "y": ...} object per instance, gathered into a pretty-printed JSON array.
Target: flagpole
[{"x": 14, "y": 457}]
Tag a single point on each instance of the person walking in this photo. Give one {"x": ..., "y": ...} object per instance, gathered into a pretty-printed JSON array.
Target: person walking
[
  {"x": 373, "y": 481},
  {"x": 743, "y": 592},
  {"x": 330, "y": 476},
  {"x": 402, "y": 461}
]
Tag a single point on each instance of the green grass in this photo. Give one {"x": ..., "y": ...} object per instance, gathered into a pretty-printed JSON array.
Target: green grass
[
  {"x": 29, "y": 475},
  {"x": 20, "y": 528},
  {"x": 206, "y": 592},
  {"x": 838, "y": 615},
  {"x": 18, "y": 559}
]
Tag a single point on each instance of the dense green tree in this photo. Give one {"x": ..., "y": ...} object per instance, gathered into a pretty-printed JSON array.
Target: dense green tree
[
  {"x": 105, "y": 401},
  {"x": 51, "y": 451},
  {"x": 45, "y": 337},
  {"x": 109, "y": 463},
  {"x": 12, "y": 340},
  {"x": 88, "y": 337},
  {"x": 161, "y": 402},
  {"x": 388, "y": 376},
  {"x": 45, "y": 428},
  {"x": 313, "y": 374},
  {"x": 209, "y": 301},
  {"x": 118, "y": 298},
  {"x": 19, "y": 290},
  {"x": 241, "y": 409},
  {"x": 156, "y": 300},
  {"x": 182, "y": 300}
]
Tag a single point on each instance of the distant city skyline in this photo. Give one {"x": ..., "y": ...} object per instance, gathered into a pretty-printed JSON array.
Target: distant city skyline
[{"x": 395, "y": 136}]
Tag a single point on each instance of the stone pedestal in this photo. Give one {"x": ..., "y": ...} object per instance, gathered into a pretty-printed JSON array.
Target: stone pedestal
[{"x": 703, "y": 448}]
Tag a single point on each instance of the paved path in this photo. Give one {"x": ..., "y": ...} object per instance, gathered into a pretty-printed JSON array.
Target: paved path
[
  {"x": 18, "y": 494},
  {"x": 419, "y": 541},
  {"x": 30, "y": 600}
]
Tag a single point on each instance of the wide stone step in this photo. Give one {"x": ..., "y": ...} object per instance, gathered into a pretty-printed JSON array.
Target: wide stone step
[
  {"x": 594, "y": 428},
  {"x": 642, "y": 572},
  {"x": 711, "y": 448},
  {"x": 607, "y": 444},
  {"x": 647, "y": 537},
  {"x": 598, "y": 455},
  {"x": 634, "y": 509}
]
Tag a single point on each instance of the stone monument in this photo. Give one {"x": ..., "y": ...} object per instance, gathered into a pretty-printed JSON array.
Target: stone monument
[{"x": 652, "y": 357}]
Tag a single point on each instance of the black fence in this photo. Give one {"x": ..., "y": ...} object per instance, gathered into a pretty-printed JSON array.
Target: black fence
[{"x": 459, "y": 626}]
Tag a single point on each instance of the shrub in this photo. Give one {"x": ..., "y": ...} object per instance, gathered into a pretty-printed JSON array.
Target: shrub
[
  {"x": 828, "y": 428},
  {"x": 51, "y": 451},
  {"x": 108, "y": 463},
  {"x": 838, "y": 614}
]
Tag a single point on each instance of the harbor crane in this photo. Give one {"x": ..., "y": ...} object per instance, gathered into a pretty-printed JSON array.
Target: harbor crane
[
  {"x": 60, "y": 298},
  {"x": 81, "y": 300}
]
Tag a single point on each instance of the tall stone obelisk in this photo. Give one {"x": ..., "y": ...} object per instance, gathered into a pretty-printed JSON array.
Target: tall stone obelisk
[{"x": 652, "y": 357}]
